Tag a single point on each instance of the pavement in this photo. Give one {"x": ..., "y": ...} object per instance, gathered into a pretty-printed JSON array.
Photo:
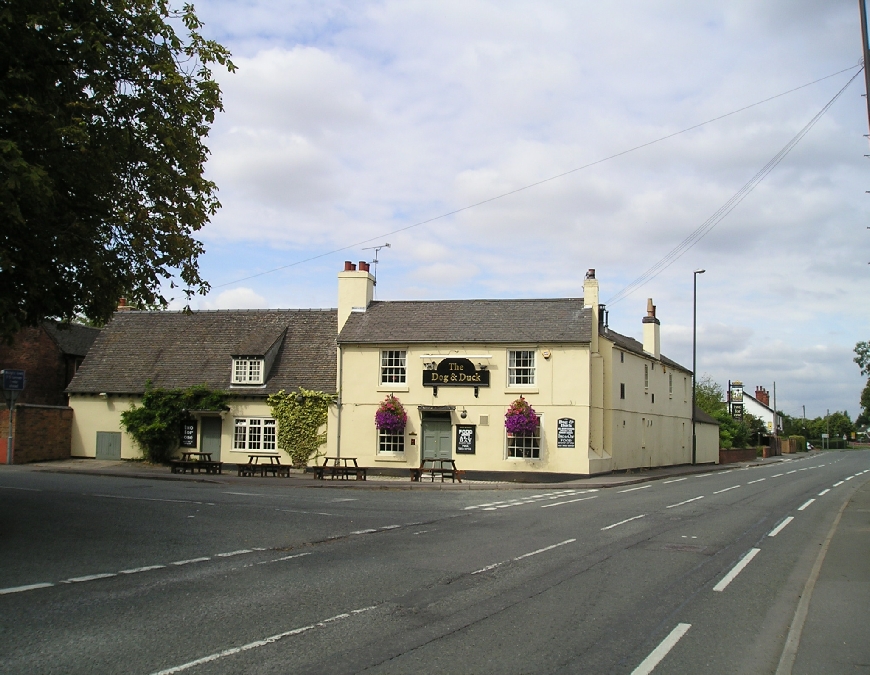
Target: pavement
[{"x": 143, "y": 470}]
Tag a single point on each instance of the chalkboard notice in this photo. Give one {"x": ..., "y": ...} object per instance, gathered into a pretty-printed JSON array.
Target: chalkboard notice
[
  {"x": 565, "y": 433},
  {"x": 465, "y": 439},
  {"x": 188, "y": 434}
]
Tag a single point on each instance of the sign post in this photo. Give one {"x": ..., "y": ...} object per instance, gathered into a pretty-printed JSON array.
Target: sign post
[{"x": 13, "y": 385}]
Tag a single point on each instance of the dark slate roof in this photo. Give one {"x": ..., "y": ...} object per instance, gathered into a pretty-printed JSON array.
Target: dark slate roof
[
  {"x": 470, "y": 321},
  {"x": 632, "y": 345},
  {"x": 177, "y": 349},
  {"x": 704, "y": 418},
  {"x": 73, "y": 339}
]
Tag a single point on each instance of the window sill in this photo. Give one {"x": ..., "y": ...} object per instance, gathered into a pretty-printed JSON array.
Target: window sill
[
  {"x": 521, "y": 390},
  {"x": 398, "y": 387},
  {"x": 391, "y": 458}
]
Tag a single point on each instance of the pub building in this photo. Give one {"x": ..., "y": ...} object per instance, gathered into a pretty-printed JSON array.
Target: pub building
[{"x": 603, "y": 401}]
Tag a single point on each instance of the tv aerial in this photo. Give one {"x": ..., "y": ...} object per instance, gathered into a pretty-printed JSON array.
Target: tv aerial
[{"x": 374, "y": 262}]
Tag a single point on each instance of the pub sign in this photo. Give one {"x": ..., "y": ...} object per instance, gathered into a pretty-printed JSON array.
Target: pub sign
[
  {"x": 565, "y": 433},
  {"x": 455, "y": 372},
  {"x": 188, "y": 434},
  {"x": 465, "y": 439}
]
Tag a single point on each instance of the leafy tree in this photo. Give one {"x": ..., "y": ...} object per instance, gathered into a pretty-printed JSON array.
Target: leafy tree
[
  {"x": 864, "y": 417},
  {"x": 709, "y": 395},
  {"x": 862, "y": 357},
  {"x": 156, "y": 424},
  {"x": 104, "y": 107}
]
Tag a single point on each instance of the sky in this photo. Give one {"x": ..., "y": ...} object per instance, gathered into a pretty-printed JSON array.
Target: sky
[{"x": 348, "y": 123}]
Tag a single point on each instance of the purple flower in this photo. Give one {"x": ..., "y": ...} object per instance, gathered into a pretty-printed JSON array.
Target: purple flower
[
  {"x": 520, "y": 418},
  {"x": 391, "y": 416}
]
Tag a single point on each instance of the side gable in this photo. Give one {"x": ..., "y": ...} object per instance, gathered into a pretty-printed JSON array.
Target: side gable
[{"x": 631, "y": 345}]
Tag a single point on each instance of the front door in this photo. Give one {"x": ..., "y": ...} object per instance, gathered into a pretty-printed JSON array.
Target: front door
[
  {"x": 437, "y": 439},
  {"x": 210, "y": 437}
]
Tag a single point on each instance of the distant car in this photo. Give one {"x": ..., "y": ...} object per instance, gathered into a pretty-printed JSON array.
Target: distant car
[{"x": 809, "y": 446}]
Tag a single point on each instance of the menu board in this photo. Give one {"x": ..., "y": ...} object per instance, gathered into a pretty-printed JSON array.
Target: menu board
[
  {"x": 188, "y": 434},
  {"x": 565, "y": 433},
  {"x": 465, "y": 439}
]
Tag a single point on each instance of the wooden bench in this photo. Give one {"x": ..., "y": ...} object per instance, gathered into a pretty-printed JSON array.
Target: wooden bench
[
  {"x": 273, "y": 466},
  {"x": 446, "y": 468},
  {"x": 339, "y": 467},
  {"x": 196, "y": 462}
]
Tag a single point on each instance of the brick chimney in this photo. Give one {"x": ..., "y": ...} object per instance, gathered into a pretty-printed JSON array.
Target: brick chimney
[
  {"x": 762, "y": 396},
  {"x": 652, "y": 339},
  {"x": 356, "y": 288},
  {"x": 123, "y": 306}
]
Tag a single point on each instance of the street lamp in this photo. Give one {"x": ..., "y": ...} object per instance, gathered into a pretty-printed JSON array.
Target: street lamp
[{"x": 694, "y": 354}]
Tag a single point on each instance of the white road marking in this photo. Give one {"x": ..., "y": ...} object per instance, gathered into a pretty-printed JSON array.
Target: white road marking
[
  {"x": 260, "y": 643},
  {"x": 825, "y": 491},
  {"x": 703, "y": 475},
  {"x": 733, "y": 487},
  {"x": 693, "y": 499},
  {"x": 148, "y": 499},
  {"x": 90, "y": 577},
  {"x": 21, "y": 589},
  {"x": 756, "y": 481},
  {"x": 390, "y": 527},
  {"x": 136, "y": 570},
  {"x": 546, "y": 548},
  {"x": 660, "y": 652},
  {"x": 246, "y": 494},
  {"x": 676, "y": 480},
  {"x": 192, "y": 560},
  {"x": 9, "y": 487},
  {"x": 792, "y": 471},
  {"x": 850, "y": 477},
  {"x": 491, "y": 508},
  {"x": 421, "y": 532},
  {"x": 642, "y": 487},
  {"x": 737, "y": 569},
  {"x": 838, "y": 484},
  {"x": 344, "y": 499},
  {"x": 776, "y": 530},
  {"x": 286, "y": 557},
  {"x": 805, "y": 504},
  {"x": 777, "y": 475},
  {"x": 232, "y": 553},
  {"x": 487, "y": 568},
  {"x": 622, "y": 522},
  {"x": 363, "y": 531},
  {"x": 570, "y": 501}
]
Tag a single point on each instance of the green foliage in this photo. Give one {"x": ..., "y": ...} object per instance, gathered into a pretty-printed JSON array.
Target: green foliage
[
  {"x": 836, "y": 424},
  {"x": 800, "y": 441},
  {"x": 862, "y": 357},
  {"x": 156, "y": 424},
  {"x": 300, "y": 417},
  {"x": 710, "y": 396},
  {"x": 104, "y": 108},
  {"x": 864, "y": 417}
]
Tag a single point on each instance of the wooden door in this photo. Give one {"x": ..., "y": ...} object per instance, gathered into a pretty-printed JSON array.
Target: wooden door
[
  {"x": 210, "y": 437},
  {"x": 437, "y": 440}
]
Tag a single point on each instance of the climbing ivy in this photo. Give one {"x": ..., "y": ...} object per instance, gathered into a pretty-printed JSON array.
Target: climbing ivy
[
  {"x": 300, "y": 417},
  {"x": 156, "y": 424}
]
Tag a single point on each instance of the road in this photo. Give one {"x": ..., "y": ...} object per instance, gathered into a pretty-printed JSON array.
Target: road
[{"x": 700, "y": 573}]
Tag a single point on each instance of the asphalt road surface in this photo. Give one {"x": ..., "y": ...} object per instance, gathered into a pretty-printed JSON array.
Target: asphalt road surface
[{"x": 691, "y": 574}]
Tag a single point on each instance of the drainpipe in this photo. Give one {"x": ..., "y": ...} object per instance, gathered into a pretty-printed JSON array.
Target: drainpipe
[{"x": 338, "y": 403}]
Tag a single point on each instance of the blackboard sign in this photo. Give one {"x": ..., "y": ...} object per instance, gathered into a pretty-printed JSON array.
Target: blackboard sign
[
  {"x": 455, "y": 372},
  {"x": 565, "y": 433},
  {"x": 465, "y": 439},
  {"x": 188, "y": 434}
]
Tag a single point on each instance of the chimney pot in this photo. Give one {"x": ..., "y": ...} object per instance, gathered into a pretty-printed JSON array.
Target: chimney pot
[
  {"x": 363, "y": 266},
  {"x": 349, "y": 266},
  {"x": 122, "y": 302},
  {"x": 590, "y": 274}
]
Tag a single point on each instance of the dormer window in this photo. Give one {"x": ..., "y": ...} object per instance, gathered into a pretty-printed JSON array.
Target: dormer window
[{"x": 247, "y": 371}]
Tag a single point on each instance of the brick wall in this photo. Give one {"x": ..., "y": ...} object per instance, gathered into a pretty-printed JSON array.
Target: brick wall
[
  {"x": 41, "y": 433},
  {"x": 46, "y": 370}
]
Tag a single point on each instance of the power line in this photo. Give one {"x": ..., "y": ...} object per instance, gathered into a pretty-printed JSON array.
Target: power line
[
  {"x": 702, "y": 230},
  {"x": 531, "y": 185}
]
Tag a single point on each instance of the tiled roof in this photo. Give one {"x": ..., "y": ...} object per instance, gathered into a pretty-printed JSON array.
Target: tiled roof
[
  {"x": 470, "y": 321},
  {"x": 177, "y": 349},
  {"x": 73, "y": 339},
  {"x": 704, "y": 418},
  {"x": 632, "y": 345}
]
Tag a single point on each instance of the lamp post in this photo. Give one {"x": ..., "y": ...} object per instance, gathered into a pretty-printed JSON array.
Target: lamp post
[{"x": 694, "y": 355}]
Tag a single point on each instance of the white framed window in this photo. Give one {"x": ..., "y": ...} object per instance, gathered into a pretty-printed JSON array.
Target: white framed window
[
  {"x": 255, "y": 433},
  {"x": 247, "y": 371},
  {"x": 521, "y": 367},
  {"x": 393, "y": 366},
  {"x": 390, "y": 443},
  {"x": 525, "y": 446}
]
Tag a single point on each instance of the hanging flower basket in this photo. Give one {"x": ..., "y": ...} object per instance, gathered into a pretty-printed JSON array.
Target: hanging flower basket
[
  {"x": 391, "y": 416},
  {"x": 520, "y": 418}
]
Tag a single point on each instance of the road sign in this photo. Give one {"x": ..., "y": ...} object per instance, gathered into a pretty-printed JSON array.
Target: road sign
[{"x": 13, "y": 380}]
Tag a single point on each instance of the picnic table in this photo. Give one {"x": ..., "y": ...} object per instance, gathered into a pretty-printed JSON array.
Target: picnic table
[
  {"x": 340, "y": 467},
  {"x": 272, "y": 466},
  {"x": 446, "y": 468},
  {"x": 196, "y": 462}
]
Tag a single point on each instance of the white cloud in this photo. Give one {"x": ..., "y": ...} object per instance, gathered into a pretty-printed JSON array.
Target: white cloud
[{"x": 235, "y": 298}]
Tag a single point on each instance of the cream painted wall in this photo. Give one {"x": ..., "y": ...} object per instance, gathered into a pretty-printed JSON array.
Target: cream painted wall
[
  {"x": 561, "y": 390},
  {"x": 706, "y": 443}
]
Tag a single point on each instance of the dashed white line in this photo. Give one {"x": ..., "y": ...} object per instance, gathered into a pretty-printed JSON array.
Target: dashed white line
[
  {"x": 693, "y": 499},
  {"x": 487, "y": 568},
  {"x": 850, "y": 478},
  {"x": 546, "y": 548},
  {"x": 260, "y": 643},
  {"x": 21, "y": 589},
  {"x": 792, "y": 471},
  {"x": 192, "y": 560},
  {"x": 737, "y": 569},
  {"x": 148, "y": 499},
  {"x": 703, "y": 475},
  {"x": 570, "y": 501},
  {"x": 660, "y": 652},
  {"x": 230, "y": 554},
  {"x": 286, "y": 557},
  {"x": 805, "y": 504},
  {"x": 622, "y": 522},
  {"x": 838, "y": 484},
  {"x": 777, "y": 475},
  {"x": 90, "y": 577},
  {"x": 825, "y": 491},
  {"x": 776, "y": 530},
  {"x": 756, "y": 481},
  {"x": 642, "y": 487},
  {"x": 676, "y": 480},
  {"x": 369, "y": 531},
  {"x": 9, "y": 487},
  {"x": 733, "y": 487},
  {"x": 136, "y": 570}
]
